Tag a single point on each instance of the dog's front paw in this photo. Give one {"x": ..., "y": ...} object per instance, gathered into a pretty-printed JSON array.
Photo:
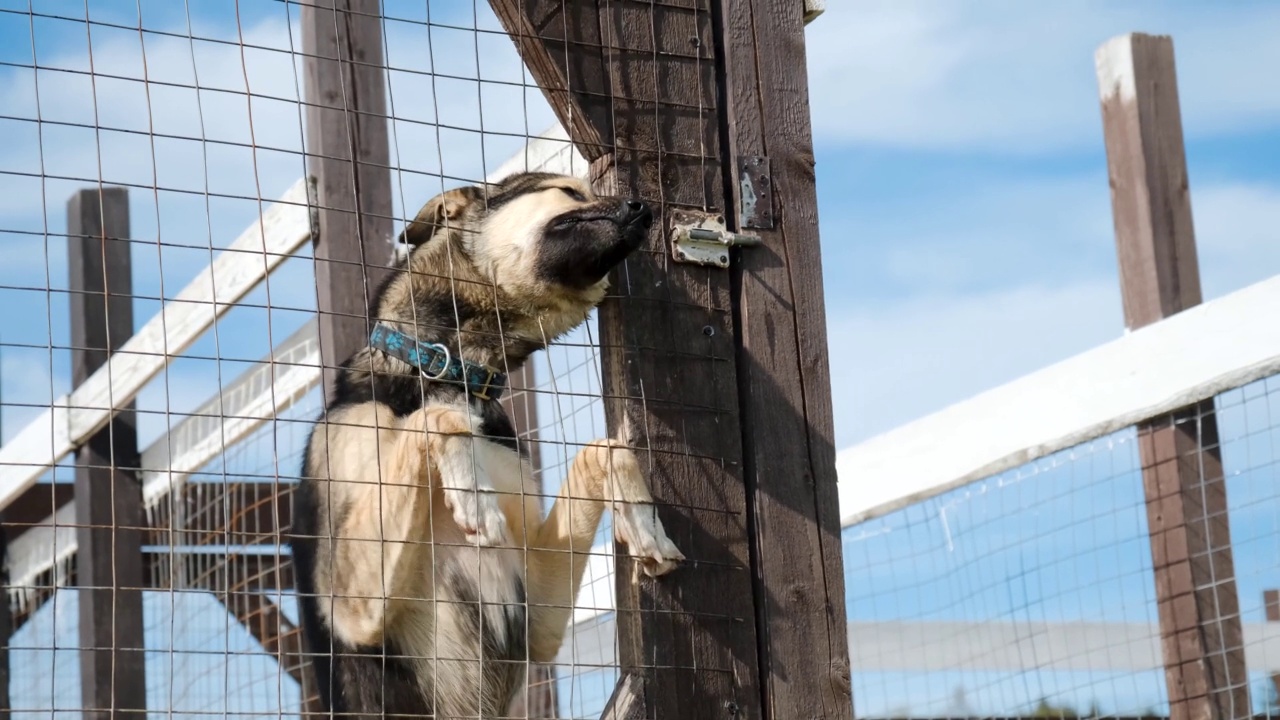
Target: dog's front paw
[
  {"x": 637, "y": 526},
  {"x": 477, "y": 513}
]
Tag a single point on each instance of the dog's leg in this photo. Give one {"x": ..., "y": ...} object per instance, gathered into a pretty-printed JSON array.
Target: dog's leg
[
  {"x": 387, "y": 528},
  {"x": 465, "y": 483},
  {"x": 605, "y": 473}
]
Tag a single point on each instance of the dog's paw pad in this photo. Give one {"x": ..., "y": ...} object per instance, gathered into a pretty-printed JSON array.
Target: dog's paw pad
[
  {"x": 637, "y": 526},
  {"x": 478, "y": 516}
]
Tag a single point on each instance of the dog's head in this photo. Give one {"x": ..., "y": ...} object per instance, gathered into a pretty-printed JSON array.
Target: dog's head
[{"x": 535, "y": 233}]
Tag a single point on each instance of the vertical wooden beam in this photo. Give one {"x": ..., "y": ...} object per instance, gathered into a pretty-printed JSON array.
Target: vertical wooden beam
[
  {"x": 1271, "y": 604},
  {"x": 108, "y": 497},
  {"x": 784, "y": 381},
  {"x": 1182, "y": 476},
  {"x": 687, "y": 641},
  {"x": 349, "y": 157}
]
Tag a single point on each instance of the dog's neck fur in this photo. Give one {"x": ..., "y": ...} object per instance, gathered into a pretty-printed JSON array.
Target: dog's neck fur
[{"x": 455, "y": 305}]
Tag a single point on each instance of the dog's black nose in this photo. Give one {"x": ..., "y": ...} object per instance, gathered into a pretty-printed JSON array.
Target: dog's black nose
[{"x": 635, "y": 212}]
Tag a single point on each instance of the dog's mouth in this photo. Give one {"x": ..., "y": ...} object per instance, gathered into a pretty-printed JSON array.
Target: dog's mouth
[{"x": 629, "y": 215}]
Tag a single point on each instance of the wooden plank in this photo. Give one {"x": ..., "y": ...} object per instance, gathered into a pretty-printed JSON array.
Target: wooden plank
[
  {"x": 7, "y": 626},
  {"x": 349, "y": 156},
  {"x": 36, "y": 504},
  {"x": 687, "y": 641},
  {"x": 1182, "y": 473},
  {"x": 784, "y": 381},
  {"x": 56, "y": 432},
  {"x": 563, "y": 50},
  {"x": 258, "y": 395},
  {"x": 267, "y": 624},
  {"x": 108, "y": 501},
  {"x": 1196, "y": 354},
  {"x": 1271, "y": 607},
  {"x": 218, "y": 513}
]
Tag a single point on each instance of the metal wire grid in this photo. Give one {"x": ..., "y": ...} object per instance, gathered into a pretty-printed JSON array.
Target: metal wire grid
[
  {"x": 1031, "y": 593},
  {"x": 207, "y": 125}
]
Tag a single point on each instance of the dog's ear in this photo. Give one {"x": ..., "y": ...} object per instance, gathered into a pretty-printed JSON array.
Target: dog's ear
[{"x": 446, "y": 207}]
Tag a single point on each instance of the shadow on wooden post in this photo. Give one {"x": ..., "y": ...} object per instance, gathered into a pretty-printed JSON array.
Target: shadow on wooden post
[
  {"x": 107, "y": 494},
  {"x": 1182, "y": 477}
]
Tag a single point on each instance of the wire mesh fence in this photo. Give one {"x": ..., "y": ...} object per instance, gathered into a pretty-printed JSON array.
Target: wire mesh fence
[
  {"x": 173, "y": 145},
  {"x": 199, "y": 113},
  {"x": 1032, "y": 593},
  {"x": 172, "y": 184}
]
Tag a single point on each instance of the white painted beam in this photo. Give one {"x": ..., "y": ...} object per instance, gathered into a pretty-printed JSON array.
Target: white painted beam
[
  {"x": 283, "y": 227},
  {"x": 812, "y": 9},
  {"x": 1001, "y": 646},
  {"x": 258, "y": 395},
  {"x": 1186, "y": 358}
]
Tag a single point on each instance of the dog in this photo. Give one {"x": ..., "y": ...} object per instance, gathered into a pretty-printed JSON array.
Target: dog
[{"x": 427, "y": 575}]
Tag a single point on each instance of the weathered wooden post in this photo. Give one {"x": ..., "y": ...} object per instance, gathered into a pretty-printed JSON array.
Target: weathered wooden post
[
  {"x": 348, "y": 158},
  {"x": 701, "y": 108},
  {"x": 1182, "y": 476},
  {"x": 108, "y": 497}
]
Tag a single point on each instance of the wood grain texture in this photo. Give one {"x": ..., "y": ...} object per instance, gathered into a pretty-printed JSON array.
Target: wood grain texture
[
  {"x": 1271, "y": 607},
  {"x": 1181, "y": 457},
  {"x": 562, "y": 49},
  {"x": 784, "y": 381},
  {"x": 108, "y": 500},
  {"x": 687, "y": 640},
  {"x": 349, "y": 156}
]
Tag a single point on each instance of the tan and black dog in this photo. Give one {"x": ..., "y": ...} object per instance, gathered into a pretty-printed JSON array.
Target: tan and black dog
[{"x": 427, "y": 575}]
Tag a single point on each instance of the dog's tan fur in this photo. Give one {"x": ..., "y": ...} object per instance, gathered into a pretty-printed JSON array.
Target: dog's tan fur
[{"x": 412, "y": 511}]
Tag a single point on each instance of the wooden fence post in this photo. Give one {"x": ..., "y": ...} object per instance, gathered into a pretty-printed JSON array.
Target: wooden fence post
[
  {"x": 789, "y": 457},
  {"x": 1271, "y": 605},
  {"x": 349, "y": 156},
  {"x": 108, "y": 496},
  {"x": 1182, "y": 476},
  {"x": 687, "y": 641}
]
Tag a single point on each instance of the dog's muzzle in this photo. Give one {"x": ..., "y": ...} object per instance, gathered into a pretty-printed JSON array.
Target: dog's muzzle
[{"x": 634, "y": 213}]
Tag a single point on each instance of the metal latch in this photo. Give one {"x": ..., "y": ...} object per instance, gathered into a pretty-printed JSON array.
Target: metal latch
[{"x": 703, "y": 239}]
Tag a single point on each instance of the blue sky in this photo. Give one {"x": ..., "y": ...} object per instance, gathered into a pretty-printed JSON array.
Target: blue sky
[{"x": 965, "y": 225}]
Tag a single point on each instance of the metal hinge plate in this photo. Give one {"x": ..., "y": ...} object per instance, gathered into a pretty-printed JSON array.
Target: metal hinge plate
[{"x": 703, "y": 239}]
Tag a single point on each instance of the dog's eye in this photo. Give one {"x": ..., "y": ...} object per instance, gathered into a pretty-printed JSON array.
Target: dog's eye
[{"x": 574, "y": 194}]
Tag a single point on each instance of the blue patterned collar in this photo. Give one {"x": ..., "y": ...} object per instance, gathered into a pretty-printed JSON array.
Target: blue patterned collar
[{"x": 434, "y": 361}]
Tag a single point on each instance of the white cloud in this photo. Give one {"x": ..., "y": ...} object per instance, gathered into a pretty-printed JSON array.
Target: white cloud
[
  {"x": 898, "y": 359},
  {"x": 894, "y": 363},
  {"x": 1019, "y": 77}
]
